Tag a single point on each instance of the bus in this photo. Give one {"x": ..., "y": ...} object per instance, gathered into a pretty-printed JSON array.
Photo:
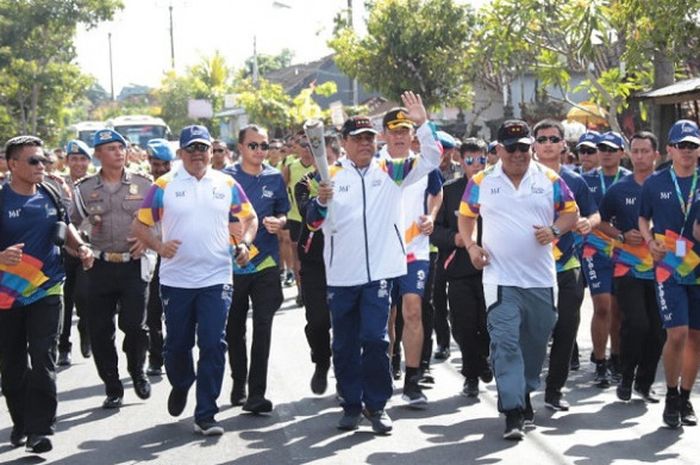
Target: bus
[
  {"x": 85, "y": 130},
  {"x": 139, "y": 129}
]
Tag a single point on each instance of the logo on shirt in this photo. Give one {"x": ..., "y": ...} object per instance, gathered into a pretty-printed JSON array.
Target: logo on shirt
[
  {"x": 267, "y": 193},
  {"x": 537, "y": 190},
  {"x": 218, "y": 195},
  {"x": 629, "y": 200},
  {"x": 664, "y": 195},
  {"x": 376, "y": 183},
  {"x": 179, "y": 194},
  {"x": 495, "y": 190},
  {"x": 345, "y": 188},
  {"x": 14, "y": 213}
]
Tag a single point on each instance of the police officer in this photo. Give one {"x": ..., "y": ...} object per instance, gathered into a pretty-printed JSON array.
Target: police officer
[{"x": 109, "y": 201}]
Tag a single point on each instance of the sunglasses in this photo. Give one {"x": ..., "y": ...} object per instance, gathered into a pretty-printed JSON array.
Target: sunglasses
[
  {"x": 33, "y": 161},
  {"x": 520, "y": 147},
  {"x": 608, "y": 149},
  {"x": 218, "y": 150},
  {"x": 196, "y": 147},
  {"x": 587, "y": 151},
  {"x": 552, "y": 139},
  {"x": 264, "y": 146},
  {"x": 686, "y": 145},
  {"x": 471, "y": 160}
]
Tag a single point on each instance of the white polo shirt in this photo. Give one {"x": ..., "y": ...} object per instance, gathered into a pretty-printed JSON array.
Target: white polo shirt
[
  {"x": 197, "y": 213},
  {"x": 508, "y": 219}
]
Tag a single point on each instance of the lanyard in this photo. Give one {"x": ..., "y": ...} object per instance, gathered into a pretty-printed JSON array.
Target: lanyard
[
  {"x": 685, "y": 207},
  {"x": 602, "y": 179}
]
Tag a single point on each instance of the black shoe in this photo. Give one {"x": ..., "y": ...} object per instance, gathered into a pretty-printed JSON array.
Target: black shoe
[
  {"x": 17, "y": 438},
  {"x": 238, "y": 396},
  {"x": 688, "y": 417},
  {"x": 647, "y": 394},
  {"x": 442, "y": 353},
  {"x": 528, "y": 412},
  {"x": 142, "y": 386},
  {"x": 615, "y": 368},
  {"x": 154, "y": 370},
  {"x": 112, "y": 402},
  {"x": 514, "y": 425},
  {"x": 624, "y": 391},
  {"x": 349, "y": 421},
  {"x": 396, "y": 373},
  {"x": 319, "y": 380},
  {"x": 257, "y": 405},
  {"x": 177, "y": 401},
  {"x": 574, "y": 363},
  {"x": 555, "y": 401},
  {"x": 38, "y": 444},
  {"x": 289, "y": 280},
  {"x": 413, "y": 394},
  {"x": 208, "y": 427},
  {"x": 426, "y": 377},
  {"x": 486, "y": 375},
  {"x": 602, "y": 380},
  {"x": 470, "y": 388},
  {"x": 381, "y": 423},
  {"x": 64, "y": 359},
  {"x": 85, "y": 347},
  {"x": 672, "y": 411}
]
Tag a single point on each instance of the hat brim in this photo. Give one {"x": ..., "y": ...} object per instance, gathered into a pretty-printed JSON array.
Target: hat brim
[
  {"x": 195, "y": 141},
  {"x": 104, "y": 142},
  {"x": 693, "y": 139},
  {"x": 516, "y": 140},
  {"x": 607, "y": 143},
  {"x": 399, "y": 124},
  {"x": 361, "y": 130},
  {"x": 588, "y": 143}
]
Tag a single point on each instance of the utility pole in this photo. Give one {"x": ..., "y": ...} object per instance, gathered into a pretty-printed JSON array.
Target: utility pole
[
  {"x": 256, "y": 71},
  {"x": 172, "y": 39},
  {"x": 111, "y": 71},
  {"x": 353, "y": 82}
]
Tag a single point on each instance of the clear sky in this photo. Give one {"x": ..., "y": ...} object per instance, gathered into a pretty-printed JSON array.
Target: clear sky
[{"x": 141, "y": 39}]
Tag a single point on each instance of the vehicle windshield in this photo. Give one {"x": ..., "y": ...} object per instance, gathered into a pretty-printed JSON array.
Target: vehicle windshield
[{"x": 141, "y": 133}]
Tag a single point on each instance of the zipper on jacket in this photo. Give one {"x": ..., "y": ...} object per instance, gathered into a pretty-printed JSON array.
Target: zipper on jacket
[
  {"x": 398, "y": 235},
  {"x": 364, "y": 222},
  {"x": 331, "y": 261}
]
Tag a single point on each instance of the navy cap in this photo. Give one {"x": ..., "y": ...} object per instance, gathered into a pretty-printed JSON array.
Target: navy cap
[
  {"x": 76, "y": 146},
  {"x": 105, "y": 136},
  {"x": 514, "y": 131},
  {"x": 160, "y": 149},
  {"x": 684, "y": 130},
  {"x": 589, "y": 139},
  {"x": 396, "y": 118},
  {"x": 492, "y": 147},
  {"x": 612, "y": 139},
  {"x": 195, "y": 133},
  {"x": 356, "y": 125},
  {"x": 446, "y": 140}
]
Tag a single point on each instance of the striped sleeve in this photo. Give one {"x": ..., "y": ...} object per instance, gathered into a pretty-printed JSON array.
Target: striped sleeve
[
  {"x": 240, "y": 205},
  {"x": 564, "y": 201},
  {"x": 151, "y": 211},
  {"x": 469, "y": 206}
]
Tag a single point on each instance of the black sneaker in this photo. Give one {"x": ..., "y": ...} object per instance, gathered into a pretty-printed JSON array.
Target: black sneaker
[
  {"x": 38, "y": 444},
  {"x": 442, "y": 353},
  {"x": 602, "y": 379},
  {"x": 142, "y": 386},
  {"x": 208, "y": 427},
  {"x": 486, "y": 375},
  {"x": 177, "y": 401},
  {"x": 257, "y": 405},
  {"x": 426, "y": 376},
  {"x": 319, "y": 380},
  {"x": 555, "y": 401},
  {"x": 514, "y": 425},
  {"x": 154, "y": 370},
  {"x": 396, "y": 373},
  {"x": 413, "y": 394},
  {"x": 615, "y": 368},
  {"x": 64, "y": 359},
  {"x": 528, "y": 412},
  {"x": 350, "y": 421},
  {"x": 688, "y": 417},
  {"x": 672, "y": 411},
  {"x": 112, "y": 402},
  {"x": 17, "y": 438},
  {"x": 470, "y": 388},
  {"x": 381, "y": 423},
  {"x": 575, "y": 362},
  {"x": 238, "y": 396},
  {"x": 624, "y": 391}
]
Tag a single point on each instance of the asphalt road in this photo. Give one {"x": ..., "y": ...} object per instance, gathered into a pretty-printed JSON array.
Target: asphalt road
[{"x": 598, "y": 430}]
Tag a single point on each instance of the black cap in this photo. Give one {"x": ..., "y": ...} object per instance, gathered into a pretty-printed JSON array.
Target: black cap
[
  {"x": 473, "y": 144},
  {"x": 396, "y": 118},
  {"x": 514, "y": 131},
  {"x": 356, "y": 125}
]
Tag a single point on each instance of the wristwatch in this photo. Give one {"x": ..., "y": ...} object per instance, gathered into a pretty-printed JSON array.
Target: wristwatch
[
  {"x": 556, "y": 231},
  {"x": 621, "y": 238}
]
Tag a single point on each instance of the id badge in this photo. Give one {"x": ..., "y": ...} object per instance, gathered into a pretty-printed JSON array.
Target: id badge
[{"x": 680, "y": 248}]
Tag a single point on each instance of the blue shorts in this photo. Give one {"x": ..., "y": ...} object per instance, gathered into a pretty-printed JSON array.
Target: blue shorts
[
  {"x": 679, "y": 304},
  {"x": 598, "y": 271},
  {"x": 413, "y": 282}
]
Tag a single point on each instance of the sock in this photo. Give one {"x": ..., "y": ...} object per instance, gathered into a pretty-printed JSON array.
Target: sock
[
  {"x": 685, "y": 394},
  {"x": 671, "y": 391},
  {"x": 411, "y": 374}
]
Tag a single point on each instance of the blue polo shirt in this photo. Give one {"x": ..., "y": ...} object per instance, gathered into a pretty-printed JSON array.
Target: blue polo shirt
[
  {"x": 30, "y": 220},
  {"x": 599, "y": 184},
  {"x": 620, "y": 206},
  {"x": 268, "y": 195},
  {"x": 660, "y": 204},
  {"x": 566, "y": 245}
]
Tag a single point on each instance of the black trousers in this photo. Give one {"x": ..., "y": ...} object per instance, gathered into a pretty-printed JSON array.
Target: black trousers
[
  {"x": 428, "y": 314},
  {"x": 468, "y": 319},
  {"x": 642, "y": 336},
  {"x": 571, "y": 289},
  {"x": 318, "y": 316},
  {"x": 112, "y": 286},
  {"x": 264, "y": 290},
  {"x": 74, "y": 295},
  {"x": 30, "y": 334},
  {"x": 441, "y": 315},
  {"x": 154, "y": 320}
]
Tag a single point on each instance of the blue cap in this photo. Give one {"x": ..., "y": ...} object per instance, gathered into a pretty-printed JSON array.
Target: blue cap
[
  {"x": 589, "y": 139},
  {"x": 684, "y": 130},
  {"x": 191, "y": 134},
  {"x": 612, "y": 139},
  {"x": 105, "y": 136},
  {"x": 160, "y": 149},
  {"x": 446, "y": 140},
  {"x": 78, "y": 146},
  {"x": 492, "y": 146}
]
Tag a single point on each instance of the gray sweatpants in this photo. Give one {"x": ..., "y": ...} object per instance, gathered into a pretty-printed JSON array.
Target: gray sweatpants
[{"x": 519, "y": 321}]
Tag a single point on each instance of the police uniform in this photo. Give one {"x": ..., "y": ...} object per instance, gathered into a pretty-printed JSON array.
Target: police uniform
[{"x": 116, "y": 277}]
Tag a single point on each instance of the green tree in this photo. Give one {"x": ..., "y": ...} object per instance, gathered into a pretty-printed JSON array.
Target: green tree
[
  {"x": 411, "y": 44},
  {"x": 267, "y": 63},
  {"x": 267, "y": 104},
  {"x": 39, "y": 79}
]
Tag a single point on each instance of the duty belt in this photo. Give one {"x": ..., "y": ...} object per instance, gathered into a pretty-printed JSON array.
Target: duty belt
[{"x": 113, "y": 257}]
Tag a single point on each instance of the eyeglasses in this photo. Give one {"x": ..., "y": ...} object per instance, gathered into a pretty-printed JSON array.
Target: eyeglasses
[
  {"x": 686, "y": 145},
  {"x": 520, "y": 147},
  {"x": 587, "y": 151},
  {"x": 218, "y": 150},
  {"x": 608, "y": 149},
  {"x": 196, "y": 147},
  {"x": 363, "y": 137},
  {"x": 552, "y": 139},
  {"x": 33, "y": 161},
  {"x": 471, "y": 160},
  {"x": 264, "y": 146}
]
